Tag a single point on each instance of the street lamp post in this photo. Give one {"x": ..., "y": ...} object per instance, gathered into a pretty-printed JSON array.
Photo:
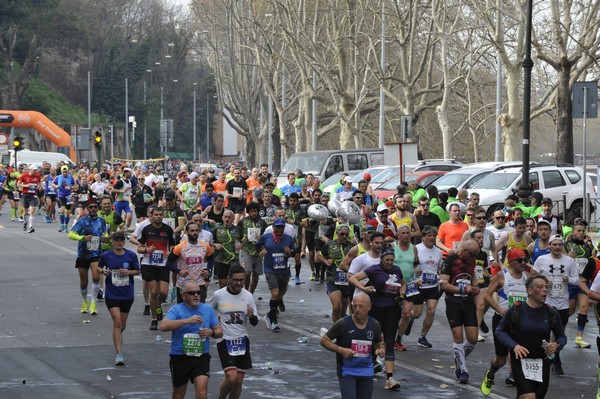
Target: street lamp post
[
  {"x": 194, "y": 133},
  {"x": 207, "y": 127},
  {"x": 525, "y": 190}
]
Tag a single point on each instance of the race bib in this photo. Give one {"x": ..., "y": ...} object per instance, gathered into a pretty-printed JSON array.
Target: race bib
[
  {"x": 169, "y": 222},
  {"x": 430, "y": 278},
  {"x": 322, "y": 230},
  {"x": 462, "y": 284},
  {"x": 558, "y": 287},
  {"x": 236, "y": 346},
  {"x": 391, "y": 287},
  {"x": 237, "y": 191},
  {"x": 93, "y": 244},
  {"x": 581, "y": 264},
  {"x": 361, "y": 348},
  {"x": 83, "y": 197},
  {"x": 193, "y": 345},
  {"x": 479, "y": 274},
  {"x": 279, "y": 261},
  {"x": 193, "y": 195},
  {"x": 268, "y": 219},
  {"x": 515, "y": 296},
  {"x": 69, "y": 200},
  {"x": 412, "y": 289},
  {"x": 119, "y": 279},
  {"x": 341, "y": 277},
  {"x": 16, "y": 196},
  {"x": 157, "y": 258},
  {"x": 532, "y": 369},
  {"x": 253, "y": 234}
]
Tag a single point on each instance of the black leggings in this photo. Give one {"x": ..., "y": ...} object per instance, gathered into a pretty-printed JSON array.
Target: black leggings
[{"x": 388, "y": 317}]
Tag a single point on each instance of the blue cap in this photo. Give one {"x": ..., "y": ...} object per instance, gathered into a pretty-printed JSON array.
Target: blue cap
[{"x": 279, "y": 222}]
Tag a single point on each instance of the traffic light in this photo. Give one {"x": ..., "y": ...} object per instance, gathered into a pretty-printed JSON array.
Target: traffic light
[
  {"x": 98, "y": 139},
  {"x": 18, "y": 143}
]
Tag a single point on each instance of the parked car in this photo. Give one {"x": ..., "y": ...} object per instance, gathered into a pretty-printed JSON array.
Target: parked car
[
  {"x": 423, "y": 178},
  {"x": 467, "y": 176},
  {"x": 553, "y": 181}
]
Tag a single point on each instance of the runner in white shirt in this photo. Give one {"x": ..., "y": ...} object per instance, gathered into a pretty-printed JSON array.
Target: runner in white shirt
[
  {"x": 235, "y": 306},
  {"x": 288, "y": 230},
  {"x": 370, "y": 258},
  {"x": 561, "y": 270}
]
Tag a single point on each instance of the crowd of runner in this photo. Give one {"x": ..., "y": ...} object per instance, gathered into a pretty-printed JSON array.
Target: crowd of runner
[{"x": 382, "y": 262}]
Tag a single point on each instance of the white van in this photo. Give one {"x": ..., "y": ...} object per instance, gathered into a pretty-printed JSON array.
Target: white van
[
  {"x": 323, "y": 164},
  {"x": 37, "y": 157}
]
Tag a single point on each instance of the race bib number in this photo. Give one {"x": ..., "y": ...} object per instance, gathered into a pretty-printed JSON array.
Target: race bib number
[
  {"x": 581, "y": 264},
  {"x": 93, "y": 244},
  {"x": 157, "y": 258},
  {"x": 558, "y": 287},
  {"x": 237, "y": 191},
  {"x": 16, "y": 195},
  {"x": 479, "y": 274},
  {"x": 193, "y": 345},
  {"x": 119, "y": 279},
  {"x": 236, "y": 346},
  {"x": 169, "y": 222},
  {"x": 361, "y": 347},
  {"x": 69, "y": 200},
  {"x": 268, "y": 219},
  {"x": 253, "y": 234},
  {"x": 532, "y": 369},
  {"x": 341, "y": 277},
  {"x": 412, "y": 289},
  {"x": 515, "y": 296},
  {"x": 193, "y": 195},
  {"x": 83, "y": 197},
  {"x": 462, "y": 285},
  {"x": 430, "y": 278},
  {"x": 279, "y": 261}
]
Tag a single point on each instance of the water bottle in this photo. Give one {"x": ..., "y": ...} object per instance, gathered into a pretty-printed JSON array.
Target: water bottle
[
  {"x": 544, "y": 346},
  {"x": 302, "y": 340}
]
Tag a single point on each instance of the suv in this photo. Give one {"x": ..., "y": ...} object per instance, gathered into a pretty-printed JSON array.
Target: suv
[
  {"x": 553, "y": 181},
  {"x": 467, "y": 176}
]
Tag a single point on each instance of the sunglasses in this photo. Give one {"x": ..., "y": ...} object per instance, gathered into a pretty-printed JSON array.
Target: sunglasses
[
  {"x": 92, "y": 206},
  {"x": 470, "y": 215},
  {"x": 119, "y": 239},
  {"x": 480, "y": 218},
  {"x": 342, "y": 234},
  {"x": 499, "y": 217},
  {"x": 521, "y": 260},
  {"x": 192, "y": 292},
  {"x": 424, "y": 205}
]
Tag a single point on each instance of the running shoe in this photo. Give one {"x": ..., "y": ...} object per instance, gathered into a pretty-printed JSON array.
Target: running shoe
[
  {"x": 391, "y": 383},
  {"x": 146, "y": 310},
  {"x": 457, "y": 370},
  {"x": 93, "y": 310},
  {"x": 159, "y": 313},
  {"x": 21, "y": 219},
  {"x": 486, "y": 385},
  {"x": 378, "y": 368},
  {"x": 119, "y": 360},
  {"x": 282, "y": 306},
  {"x": 31, "y": 230},
  {"x": 268, "y": 322},
  {"x": 484, "y": 327},
  {"x": 422, "y": 342},
  {"x": 480, "y": 338},
  {"x": 100, "y": 295},
  {"x": 24, "y": 226},
  {"x": 298, "y": 280},
  {"x": 581, "y": 343},
  {"x": 312, "y": 277},
  {"x": 47, "y": 219},
  {"x": 409, "y": 327},
  {"x": 276, "y": 327},
  {"x": 399, "y": 346},
  {"x": 84, "y": 307},
  {"x": 510, "y": 380},
  {"x": 557, "y": 368},
  {"x": 464, "y": 377},
  {"x": 60, "y": 229},
  {"x": 154, "y": 325}
]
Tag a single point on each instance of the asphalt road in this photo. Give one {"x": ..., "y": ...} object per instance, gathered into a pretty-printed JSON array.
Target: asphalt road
[{"x": 49, "y": 349}]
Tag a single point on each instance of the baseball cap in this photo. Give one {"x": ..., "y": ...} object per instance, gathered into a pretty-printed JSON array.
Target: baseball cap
[
  {"x": 193, "y": 174},
  {"x": 367, "y": 176},
  {"x": 64, "y": 167},
  {"x": 92, "y": 201},
  {"x": 515, "y": 253},
  {"x": 382, "y": 207},
  {"x": 279, "y": 222},
  {"x": 119, "y": 234},
  {"x": 126, "y": 169},
  {"x": 546, "y": 200},
  {"x": 543, "y": 221},
  {"x": 555, "y": 237},
  {"x": 145, "y": 169},
  {"x": 580, "y": 221},
  {"x": 347, "y": 179},
  {"x": 170, "y": 195},
  {"x": 303, "y": 183}
]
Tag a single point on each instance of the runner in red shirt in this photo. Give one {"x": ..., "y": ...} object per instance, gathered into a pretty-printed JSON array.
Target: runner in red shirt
[{"x": 29, "y": 183}]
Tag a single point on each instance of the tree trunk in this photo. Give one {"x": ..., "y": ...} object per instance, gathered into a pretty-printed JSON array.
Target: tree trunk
[
  {"x": 564, "y": 115},
  {"x": 510, "y": 121}
]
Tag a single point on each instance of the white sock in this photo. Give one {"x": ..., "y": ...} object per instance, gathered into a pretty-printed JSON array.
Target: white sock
[
  {"x": 30, "y": 221},
  {"x": 459, "y": 355},
  {"x": 84, "y": 293},
  {"x": 468, "y": 348},
  {"x": 95, "y": 288}
]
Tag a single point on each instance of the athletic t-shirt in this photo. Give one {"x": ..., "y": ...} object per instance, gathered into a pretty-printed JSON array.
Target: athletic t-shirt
[
  {"x": 360, "y": 263},
  {"x": 450, "y": 234},
  {"x": 118, "y": 286},
  {"x": 555, "y": 269},
  {"x": 161, "y": 238},
  {"x": 189, "y": 332},
  {"x": 192, "y": 258},
  {"x": 233, "y": 312}
]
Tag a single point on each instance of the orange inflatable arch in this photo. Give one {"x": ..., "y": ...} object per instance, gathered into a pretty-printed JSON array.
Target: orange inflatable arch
[{"x": 41, "y": 123}]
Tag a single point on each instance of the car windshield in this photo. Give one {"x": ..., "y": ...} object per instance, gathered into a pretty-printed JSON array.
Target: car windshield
[
  {"x": 385, "y": 175},
  {"x": 334, "y": 179},
  {"x": 307, "y": 163},
  {"x": 497, "y": 181},
  {"x": 450, "y": 180}
]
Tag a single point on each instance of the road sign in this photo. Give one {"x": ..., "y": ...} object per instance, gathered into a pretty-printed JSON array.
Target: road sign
[
  {"x": 3, "y": 139},
  {"x": 591, "y": 98}
]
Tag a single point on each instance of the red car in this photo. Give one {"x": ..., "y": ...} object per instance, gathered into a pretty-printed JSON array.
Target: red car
[{"x": 388, "y": 189}]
